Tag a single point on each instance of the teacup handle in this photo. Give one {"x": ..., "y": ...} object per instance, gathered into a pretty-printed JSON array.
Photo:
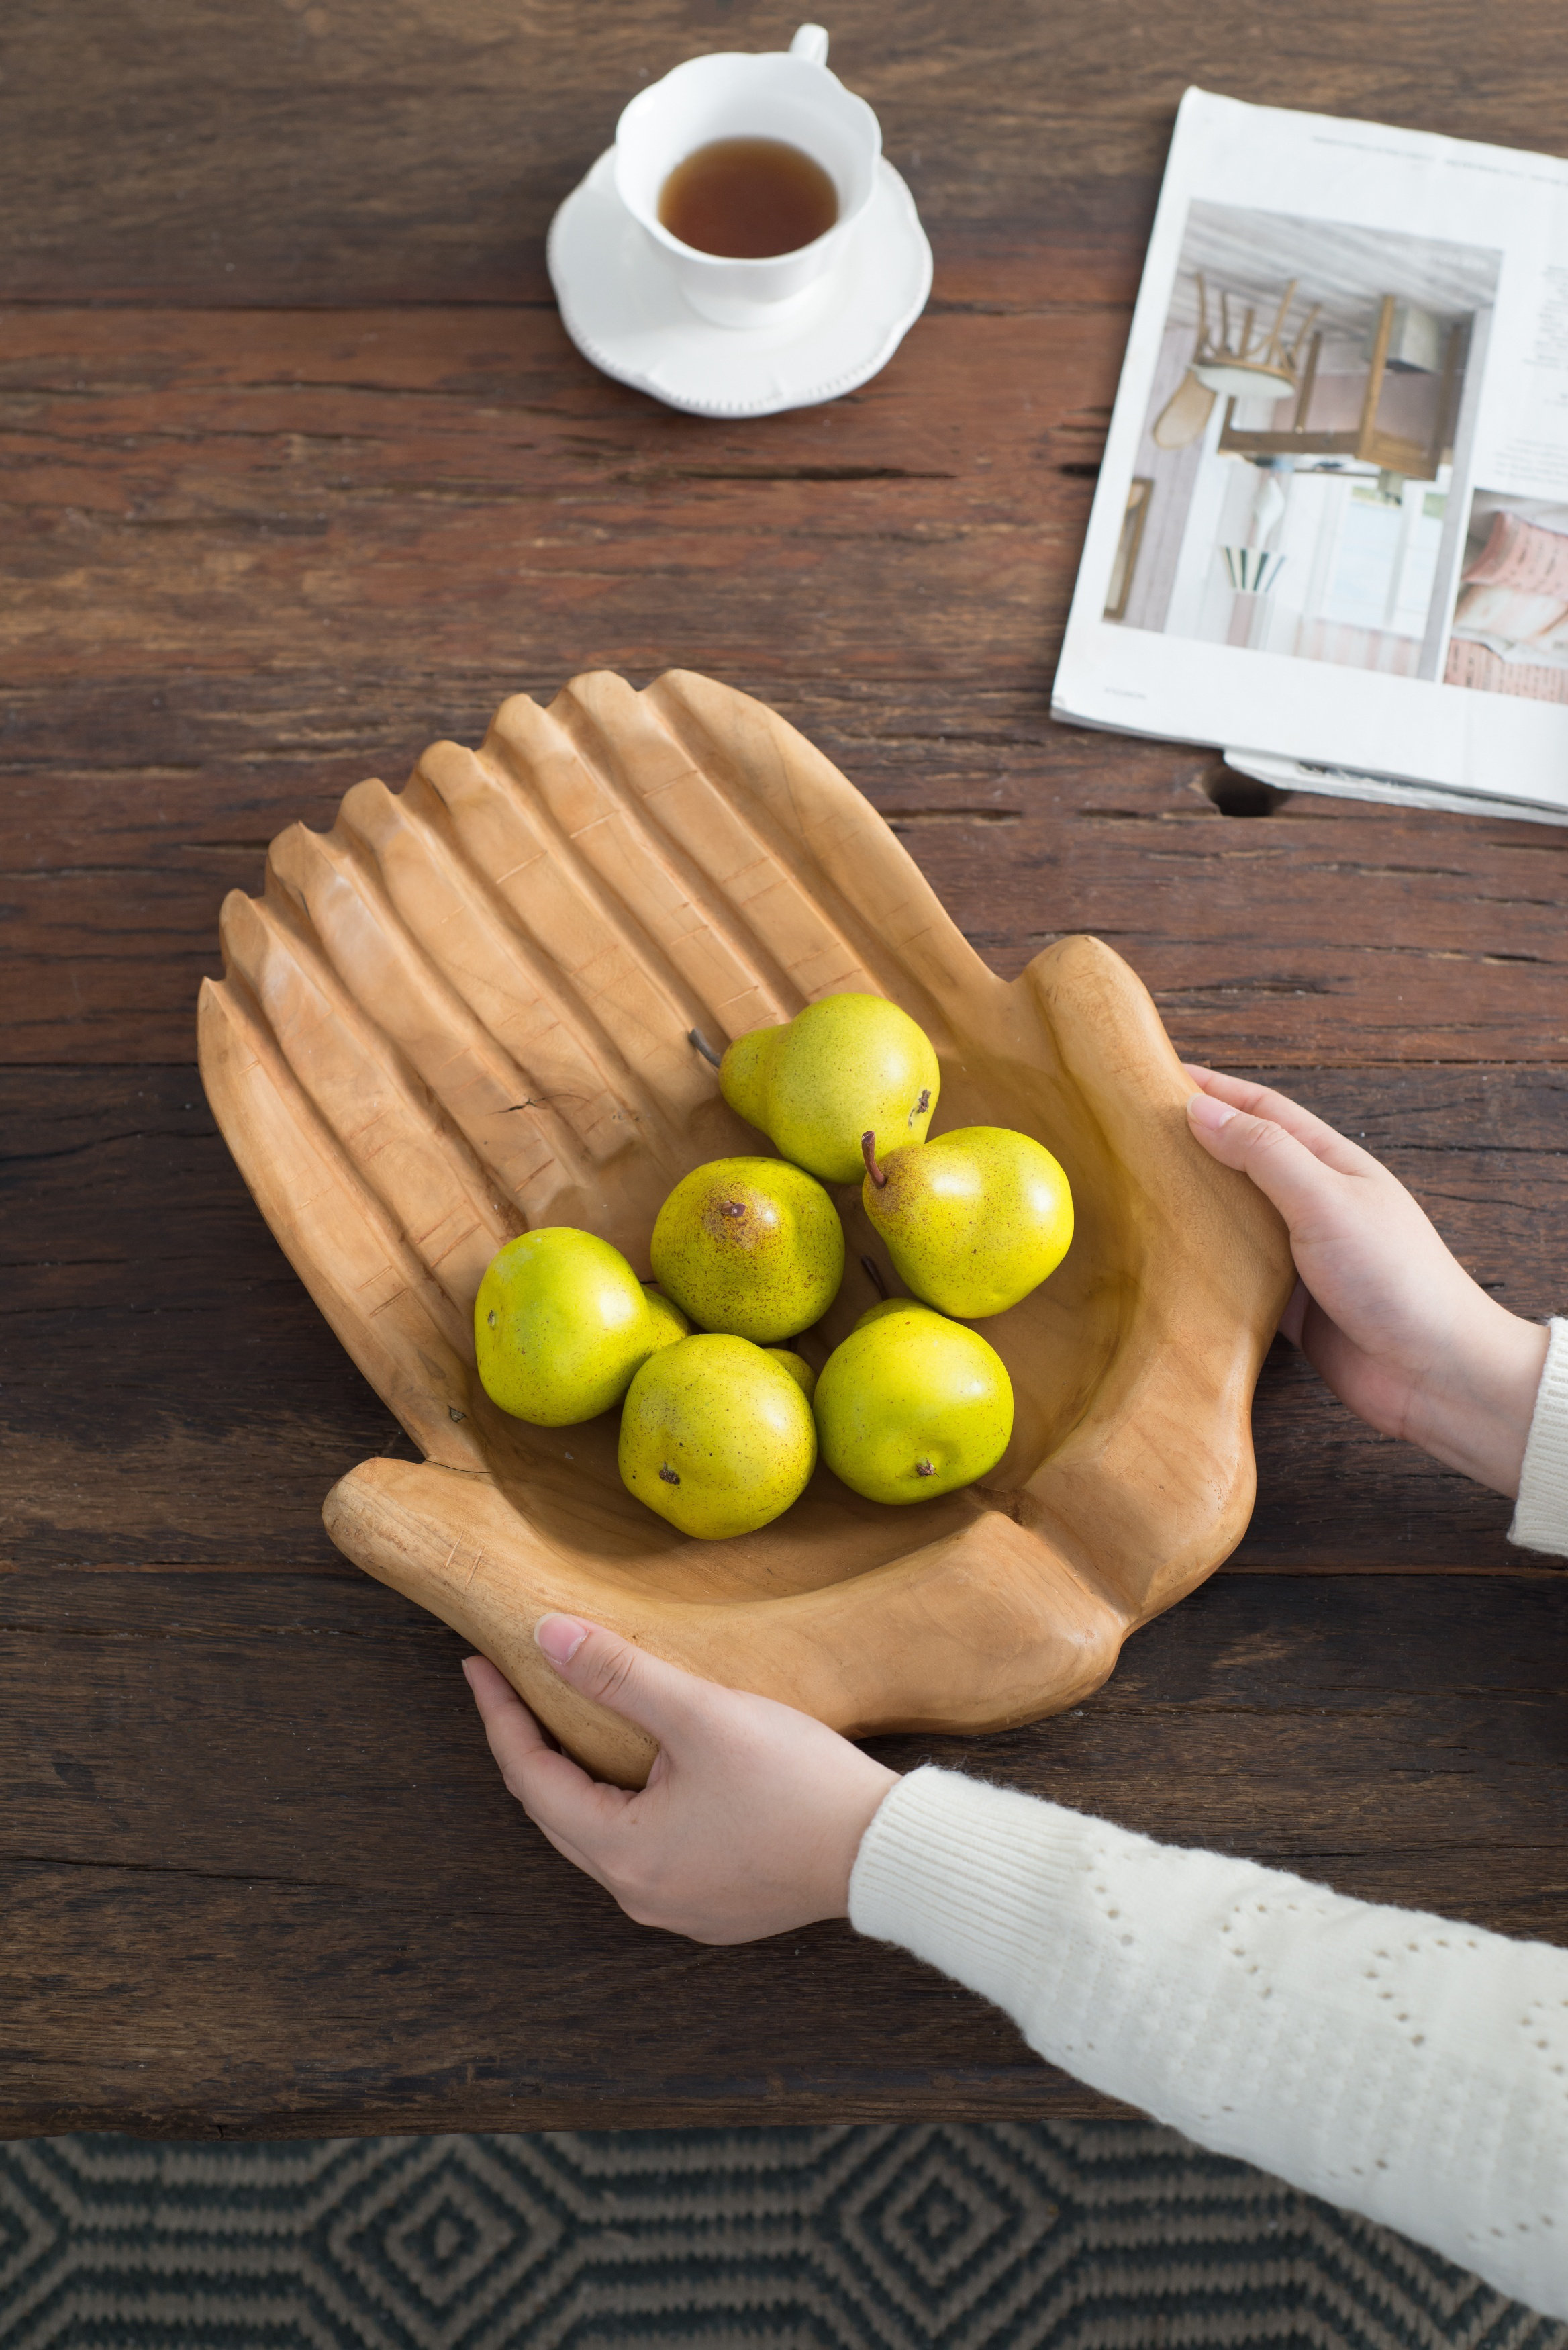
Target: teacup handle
[{"x": 811, "y": 43}]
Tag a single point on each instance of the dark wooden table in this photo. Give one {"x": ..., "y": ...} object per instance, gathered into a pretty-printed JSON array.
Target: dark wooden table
[{"x": 300, "y": 471}]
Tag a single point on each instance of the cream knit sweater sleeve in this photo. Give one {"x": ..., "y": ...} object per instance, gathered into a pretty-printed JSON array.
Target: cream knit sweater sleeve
[
  {"x": 1541, "y": 1514},
  {"x": 1407, "y": 2068}
]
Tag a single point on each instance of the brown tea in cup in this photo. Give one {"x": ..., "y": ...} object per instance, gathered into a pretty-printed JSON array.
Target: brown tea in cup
[{"x": 748, "y": 199}]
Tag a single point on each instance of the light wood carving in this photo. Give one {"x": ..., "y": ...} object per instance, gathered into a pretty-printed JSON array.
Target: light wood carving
[{"x": 467, "y": 1011}]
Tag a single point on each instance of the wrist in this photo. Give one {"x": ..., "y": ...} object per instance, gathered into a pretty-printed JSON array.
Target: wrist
[
  {"x": 1477, "y": 1418},
  {"x": 864, "y": 1798}
]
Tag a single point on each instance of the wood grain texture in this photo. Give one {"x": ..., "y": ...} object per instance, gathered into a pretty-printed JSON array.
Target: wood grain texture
[
  {"x": 259, "y": 548},
  {"x": 343, "y": 151},
  {"x": 260, "y": 1876},
  {"x": 253, "y": 558}
]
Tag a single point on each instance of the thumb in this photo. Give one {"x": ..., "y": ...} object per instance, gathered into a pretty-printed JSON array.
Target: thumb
[
  {"x": 1284, "y": 1169},
  {"x": 615, "y": 1673}
]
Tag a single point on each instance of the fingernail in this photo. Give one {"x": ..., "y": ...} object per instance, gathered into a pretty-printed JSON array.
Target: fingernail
[
  {"x": 560, "y": 1637},
  {"x": 467, "y": 1676},
  {"x": 1204, "y": 1110}
]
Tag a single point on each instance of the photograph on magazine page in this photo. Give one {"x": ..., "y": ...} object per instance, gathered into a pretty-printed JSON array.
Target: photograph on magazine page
[
  {"x": 1511, "y": 621},
  {"x": 1302, "y": 477}
]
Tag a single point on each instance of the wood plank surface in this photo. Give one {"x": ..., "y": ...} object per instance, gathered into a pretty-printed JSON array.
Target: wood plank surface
[
  {"x": 258, "y": 1870},
  {"x": 297, "y": 472},
  {"x": 342, "y": 152},
  {"x": 257, "y": 558}
]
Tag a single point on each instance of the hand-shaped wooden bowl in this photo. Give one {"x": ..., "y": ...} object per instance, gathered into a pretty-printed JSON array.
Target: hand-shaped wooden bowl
[{"x": 467, "y": 1010}]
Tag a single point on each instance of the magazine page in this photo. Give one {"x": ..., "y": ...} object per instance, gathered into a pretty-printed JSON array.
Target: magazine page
[{"x": 1332, "y": 520}]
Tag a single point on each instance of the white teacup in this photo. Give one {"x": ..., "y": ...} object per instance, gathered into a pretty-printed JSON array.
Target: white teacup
[{"x": 787, "y": 95}]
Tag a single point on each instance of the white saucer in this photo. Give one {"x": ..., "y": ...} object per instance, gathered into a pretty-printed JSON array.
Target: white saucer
[{"x": 623, "y": 309}]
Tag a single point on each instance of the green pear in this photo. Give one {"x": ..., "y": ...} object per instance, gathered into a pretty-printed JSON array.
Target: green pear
[
  {"x": 667, "y": 1319},
  {"x": 973, "y": 1221},
  {"x": 886, "y": 1306},
  {"x": 911, "y": 1405},
  {"x": 750, "y": 1246},
  {"x": 815, "y": 1084},
  {"x": 798, "y": 1366},
  {"x": 560, "y": 1324},
  {"x": 716, "y": 1436}
]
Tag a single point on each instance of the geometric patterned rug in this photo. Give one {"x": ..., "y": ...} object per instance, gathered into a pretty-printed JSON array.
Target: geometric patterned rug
[{"x": 1101, "y": 2235}]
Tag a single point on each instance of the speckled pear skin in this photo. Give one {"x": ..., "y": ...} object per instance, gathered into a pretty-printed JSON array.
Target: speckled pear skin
[
  {"x": 846, "y": 1066},
  {"x": 560, "y": 1325},
  {"x": 750, "y": 1246},
  {"x": 669, "y": 1321},
  {"x": 801, "y": 1372},
  {"x": 911, "y": 1405},
  {"x": 467, "y": 1011},
  {"x": 973, "y": 1221},
  {"x": 716, "y": 1436}
]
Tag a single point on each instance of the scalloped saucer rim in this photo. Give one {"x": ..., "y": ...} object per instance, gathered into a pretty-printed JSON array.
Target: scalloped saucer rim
[{"x": 623, "y": 309}]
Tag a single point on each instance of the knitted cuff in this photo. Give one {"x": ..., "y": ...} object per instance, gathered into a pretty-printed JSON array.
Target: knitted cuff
[
  {"x": 1540, "y": 1518},
  {"x": 971, "y": 1877}
]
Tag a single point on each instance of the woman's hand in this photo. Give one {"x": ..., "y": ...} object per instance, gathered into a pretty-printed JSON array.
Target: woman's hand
[
  {"x": 753, "y": 1814},
  {"x": 1383, "y": 1313}
]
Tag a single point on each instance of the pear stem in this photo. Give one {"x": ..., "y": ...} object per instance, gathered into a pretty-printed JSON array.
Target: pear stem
[
  {"x": 695, "y": 1036},
  {"x": 874, "y": 1275},
  {"x": 869, "y": 1152}
]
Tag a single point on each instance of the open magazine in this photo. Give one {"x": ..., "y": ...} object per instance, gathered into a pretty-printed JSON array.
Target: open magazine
[{"x": 1330, "y": 530}]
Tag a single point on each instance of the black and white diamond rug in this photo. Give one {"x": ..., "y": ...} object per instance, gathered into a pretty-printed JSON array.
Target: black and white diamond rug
[{"x": 1098, "y": 2235}]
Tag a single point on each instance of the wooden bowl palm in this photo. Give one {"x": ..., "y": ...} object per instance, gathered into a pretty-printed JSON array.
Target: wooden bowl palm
[{"x": 466, "y": 1010}]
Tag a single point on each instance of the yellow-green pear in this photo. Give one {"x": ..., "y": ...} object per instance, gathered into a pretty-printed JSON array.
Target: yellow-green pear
[
  {"x": 560, "y": 1324},
  {"x": 911, "y": 1405},
  {"x": 716, "y": 1436},
  {"x": 667, "y": 1319},
  {"x": 798, "y": 1366},
  {"x": 750, "y": 1246},
  {"x": 817, "y": 1083},
  {"x": 973, "y": 1221},
  {"x": 886, "y": 1306}
]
